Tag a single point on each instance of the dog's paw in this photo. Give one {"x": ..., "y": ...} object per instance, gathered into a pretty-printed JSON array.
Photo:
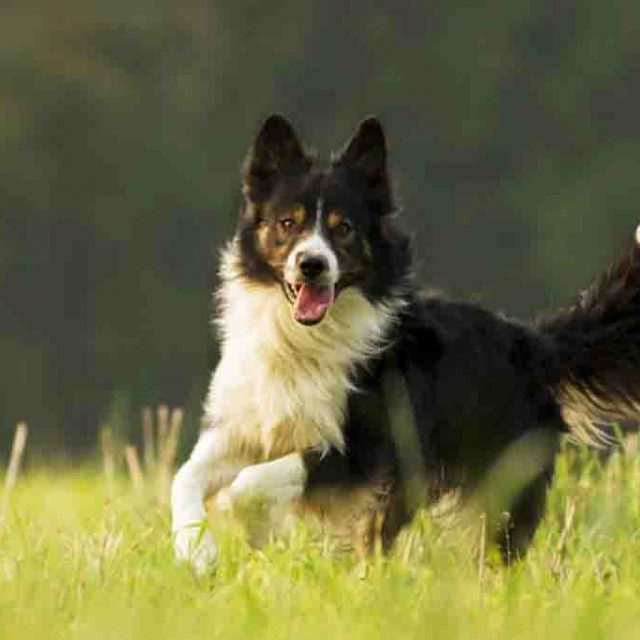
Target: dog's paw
[{"x": 194, "y": 545}]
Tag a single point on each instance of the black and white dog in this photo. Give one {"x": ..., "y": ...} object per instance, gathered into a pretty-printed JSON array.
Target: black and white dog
[{"x": 345, "y": 392}]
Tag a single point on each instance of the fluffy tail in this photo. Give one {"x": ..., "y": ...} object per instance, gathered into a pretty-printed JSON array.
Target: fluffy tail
[{"x": 597, "y": 380}]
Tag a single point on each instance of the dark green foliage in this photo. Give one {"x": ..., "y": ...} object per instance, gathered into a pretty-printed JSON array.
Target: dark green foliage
[{"x": 514, "y": 139}]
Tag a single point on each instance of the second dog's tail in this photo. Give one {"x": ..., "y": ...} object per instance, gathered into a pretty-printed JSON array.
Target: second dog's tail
[{"x": 597, "y": 340}]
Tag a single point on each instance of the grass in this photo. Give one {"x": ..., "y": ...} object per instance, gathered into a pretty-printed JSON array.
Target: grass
[{"x": 81, "y": 557}]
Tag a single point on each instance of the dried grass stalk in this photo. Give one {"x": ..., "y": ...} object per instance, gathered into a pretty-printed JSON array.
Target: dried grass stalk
[
  {"x": 163, "y": 429},
  {"x": 569, "y": 515},
  {"x": 173, "y": 437},
  {"x": 168, "y": 453},
  {"x": 135, "y": 470},
  {"x": 108, "y": 461},
  {"x": 149, "y": 452},
  {"x": 17, "y": 451}
]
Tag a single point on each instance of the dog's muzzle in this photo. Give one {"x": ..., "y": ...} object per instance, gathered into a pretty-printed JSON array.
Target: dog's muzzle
[{"x": 313, "y": 291}]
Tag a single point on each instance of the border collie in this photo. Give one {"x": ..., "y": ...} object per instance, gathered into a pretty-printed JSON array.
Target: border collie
[{"x": 345, "y": 392}]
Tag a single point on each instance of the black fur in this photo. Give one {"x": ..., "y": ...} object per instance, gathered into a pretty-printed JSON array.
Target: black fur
[
  {"x": 598, "y": 342},
  {"x": 477, "y": 385},
  {"x": 279, "y": 172}
]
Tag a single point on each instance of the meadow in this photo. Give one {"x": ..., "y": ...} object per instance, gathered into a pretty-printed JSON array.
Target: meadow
[{"x": 85, "y": 553}]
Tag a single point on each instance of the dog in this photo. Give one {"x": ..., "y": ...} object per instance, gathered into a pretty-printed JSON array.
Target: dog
[{"x": 348, "y": 394}]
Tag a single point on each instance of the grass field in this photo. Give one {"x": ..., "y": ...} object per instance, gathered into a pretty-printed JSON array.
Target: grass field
[{"x": 81, "y": 557}]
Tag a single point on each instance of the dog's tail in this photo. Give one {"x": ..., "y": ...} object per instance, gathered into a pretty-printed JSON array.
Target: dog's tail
[{"x": 597, "y": 340}]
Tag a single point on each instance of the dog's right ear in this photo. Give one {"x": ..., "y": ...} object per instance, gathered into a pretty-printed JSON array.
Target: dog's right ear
[{"x": 276, "y": 152}]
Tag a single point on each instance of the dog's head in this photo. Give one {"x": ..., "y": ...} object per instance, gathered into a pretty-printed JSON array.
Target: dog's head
[{"x": 315, "y": 229}]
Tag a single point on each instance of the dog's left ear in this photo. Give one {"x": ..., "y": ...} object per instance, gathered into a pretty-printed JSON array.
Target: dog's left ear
[
  {"x": 276, "y": 152},
  {"x": 366, "y": 155}
]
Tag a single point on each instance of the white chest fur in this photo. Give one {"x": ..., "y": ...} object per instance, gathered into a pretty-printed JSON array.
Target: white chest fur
[{"x": 280, "y": 386}]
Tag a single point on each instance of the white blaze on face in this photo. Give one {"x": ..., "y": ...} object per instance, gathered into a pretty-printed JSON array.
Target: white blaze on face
[
  {"x": 314, "y": 245},
  {"x": 313, "y": 298}
]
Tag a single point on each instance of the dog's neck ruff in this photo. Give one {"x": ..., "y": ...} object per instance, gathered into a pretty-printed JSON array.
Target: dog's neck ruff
[{"x": 281, "y": 386}]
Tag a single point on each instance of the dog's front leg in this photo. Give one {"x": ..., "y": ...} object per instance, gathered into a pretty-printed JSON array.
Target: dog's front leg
[
  {"x": 279, "y": 480},
  {"x": 205, "y": 467}
]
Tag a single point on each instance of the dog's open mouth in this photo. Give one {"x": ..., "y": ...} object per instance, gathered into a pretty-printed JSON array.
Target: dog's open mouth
[{"x": 310, "y": 302}]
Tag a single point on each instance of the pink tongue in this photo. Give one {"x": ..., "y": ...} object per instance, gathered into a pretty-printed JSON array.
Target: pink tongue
[{"x": 312, "y": 303}]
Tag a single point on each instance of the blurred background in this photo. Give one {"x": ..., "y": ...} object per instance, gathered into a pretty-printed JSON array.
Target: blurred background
[{"x": 514, "y": 130}]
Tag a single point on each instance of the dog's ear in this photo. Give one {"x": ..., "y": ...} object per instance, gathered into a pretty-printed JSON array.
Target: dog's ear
[
  {"x": 366, "y": 155},
  {"x": 277, "y": 151}
]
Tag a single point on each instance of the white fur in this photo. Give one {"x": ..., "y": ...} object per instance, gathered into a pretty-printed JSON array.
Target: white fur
[
  {"x": 315, "y": 245},
  {"x": 280, "y": 386},
  {"x": 192, "y": 542},
  {"x": 279, "y": 480}
]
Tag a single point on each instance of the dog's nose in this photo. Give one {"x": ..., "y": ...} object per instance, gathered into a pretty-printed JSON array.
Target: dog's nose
[{"x": 313, "y": 266}]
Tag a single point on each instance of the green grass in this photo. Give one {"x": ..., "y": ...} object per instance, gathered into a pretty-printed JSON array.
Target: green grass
[{"x": 79, "y": 559}]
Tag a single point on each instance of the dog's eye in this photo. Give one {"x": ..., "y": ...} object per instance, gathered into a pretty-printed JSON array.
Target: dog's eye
[{"x": 287, "y": 223}]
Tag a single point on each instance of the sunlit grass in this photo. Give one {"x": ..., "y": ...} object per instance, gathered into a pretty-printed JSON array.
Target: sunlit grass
[{"x": 81, "y": 557}]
